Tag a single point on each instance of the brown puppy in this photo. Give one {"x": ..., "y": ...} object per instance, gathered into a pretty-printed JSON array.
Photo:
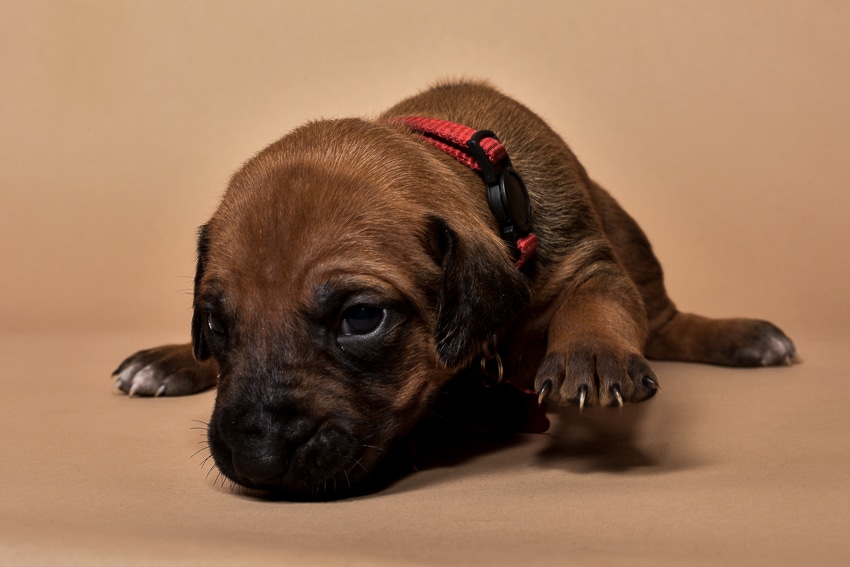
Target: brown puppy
[{"x": 352, "y": 269}]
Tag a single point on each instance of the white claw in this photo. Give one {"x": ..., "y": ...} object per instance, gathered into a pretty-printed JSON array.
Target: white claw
[
  {"x": 160, "y": 391},
  {"x": 544, "y": 391},
  {"x": 134, "y": 388},
  {"x": 619, "y": 396},
  {"x": 582, "y": 397}
]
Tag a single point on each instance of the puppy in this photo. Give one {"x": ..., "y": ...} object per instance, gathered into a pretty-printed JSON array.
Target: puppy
[{"x": 355, "y": 266}]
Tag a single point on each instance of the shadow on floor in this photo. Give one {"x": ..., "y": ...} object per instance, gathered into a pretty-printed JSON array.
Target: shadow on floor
[{"x": 472, "y": 419}]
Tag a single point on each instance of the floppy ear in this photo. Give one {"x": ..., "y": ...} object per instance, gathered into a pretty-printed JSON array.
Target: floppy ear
[
  {"x": 200, "y": 348},
  {"x": 481, "y": 292}
]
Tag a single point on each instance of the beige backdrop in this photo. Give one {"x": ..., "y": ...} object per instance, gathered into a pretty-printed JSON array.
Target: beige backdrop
[{"x": 722, "y": 126}]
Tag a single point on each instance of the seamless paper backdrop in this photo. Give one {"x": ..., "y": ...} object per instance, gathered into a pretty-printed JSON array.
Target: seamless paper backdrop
[{"x": 722, "y": 127}]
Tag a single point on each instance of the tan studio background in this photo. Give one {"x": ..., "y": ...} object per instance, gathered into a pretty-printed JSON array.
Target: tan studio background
[{"x": 723, "y": 127}]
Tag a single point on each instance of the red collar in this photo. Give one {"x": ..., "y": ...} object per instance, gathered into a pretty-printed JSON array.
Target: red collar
[{"x": 482, "y": 151}]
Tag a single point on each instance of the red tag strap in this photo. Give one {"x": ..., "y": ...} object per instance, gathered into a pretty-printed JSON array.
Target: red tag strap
[
  {"x": 526, "y": 245},
  {"x": 451, "y": 138}
]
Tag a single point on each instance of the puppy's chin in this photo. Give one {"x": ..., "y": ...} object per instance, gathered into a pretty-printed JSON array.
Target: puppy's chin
[{"x": 383, "y": 474}]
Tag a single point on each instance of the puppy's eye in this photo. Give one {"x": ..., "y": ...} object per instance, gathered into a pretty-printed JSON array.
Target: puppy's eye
[
  {"x": 215, "y": 324},
  {"x": 361, "y": 320}
]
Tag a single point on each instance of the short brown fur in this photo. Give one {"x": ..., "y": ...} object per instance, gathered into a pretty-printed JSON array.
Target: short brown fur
[{"x": 346, "y": 221}]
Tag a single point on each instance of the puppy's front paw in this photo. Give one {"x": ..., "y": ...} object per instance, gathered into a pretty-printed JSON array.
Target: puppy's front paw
[
  {"x": 164, "y": 371},
  {"x": 595, "y": 374}
]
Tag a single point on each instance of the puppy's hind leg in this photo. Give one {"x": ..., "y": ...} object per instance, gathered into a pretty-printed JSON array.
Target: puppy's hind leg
[
  {"x": 674, "y": 335},
  {"x": 728, "y": 342}
]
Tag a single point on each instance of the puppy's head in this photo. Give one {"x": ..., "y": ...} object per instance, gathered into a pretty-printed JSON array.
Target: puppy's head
[{"x": 346, "y": 276}]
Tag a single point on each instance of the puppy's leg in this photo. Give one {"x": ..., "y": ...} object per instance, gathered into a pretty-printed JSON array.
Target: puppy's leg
[
  {"x": 169, "y": 370},
  {"x": 596, "y": 335},
  {"x": 682, "y": 336},
  {"x": 730, "y": 342}
]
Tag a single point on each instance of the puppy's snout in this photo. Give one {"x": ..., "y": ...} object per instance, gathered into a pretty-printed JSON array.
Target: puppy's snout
[{"x": 260, "y": 444}]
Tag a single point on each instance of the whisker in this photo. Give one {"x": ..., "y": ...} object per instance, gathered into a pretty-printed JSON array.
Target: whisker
[
  {"x": 357, "y": 462},
  {"x": 202, "y": 449}
]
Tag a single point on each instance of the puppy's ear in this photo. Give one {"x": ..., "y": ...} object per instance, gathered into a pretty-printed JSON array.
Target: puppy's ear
[
  {"x": 200, "y": 348},
  {"x": 481, "y": 292}
]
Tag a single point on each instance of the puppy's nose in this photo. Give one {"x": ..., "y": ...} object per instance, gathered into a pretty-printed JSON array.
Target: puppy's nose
[
  {"x": 260, "y": 468},
  {"x": 262, "y": 444}
]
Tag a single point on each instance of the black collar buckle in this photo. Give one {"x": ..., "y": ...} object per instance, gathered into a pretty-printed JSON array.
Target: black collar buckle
[{"x": 506, "y": 192}]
